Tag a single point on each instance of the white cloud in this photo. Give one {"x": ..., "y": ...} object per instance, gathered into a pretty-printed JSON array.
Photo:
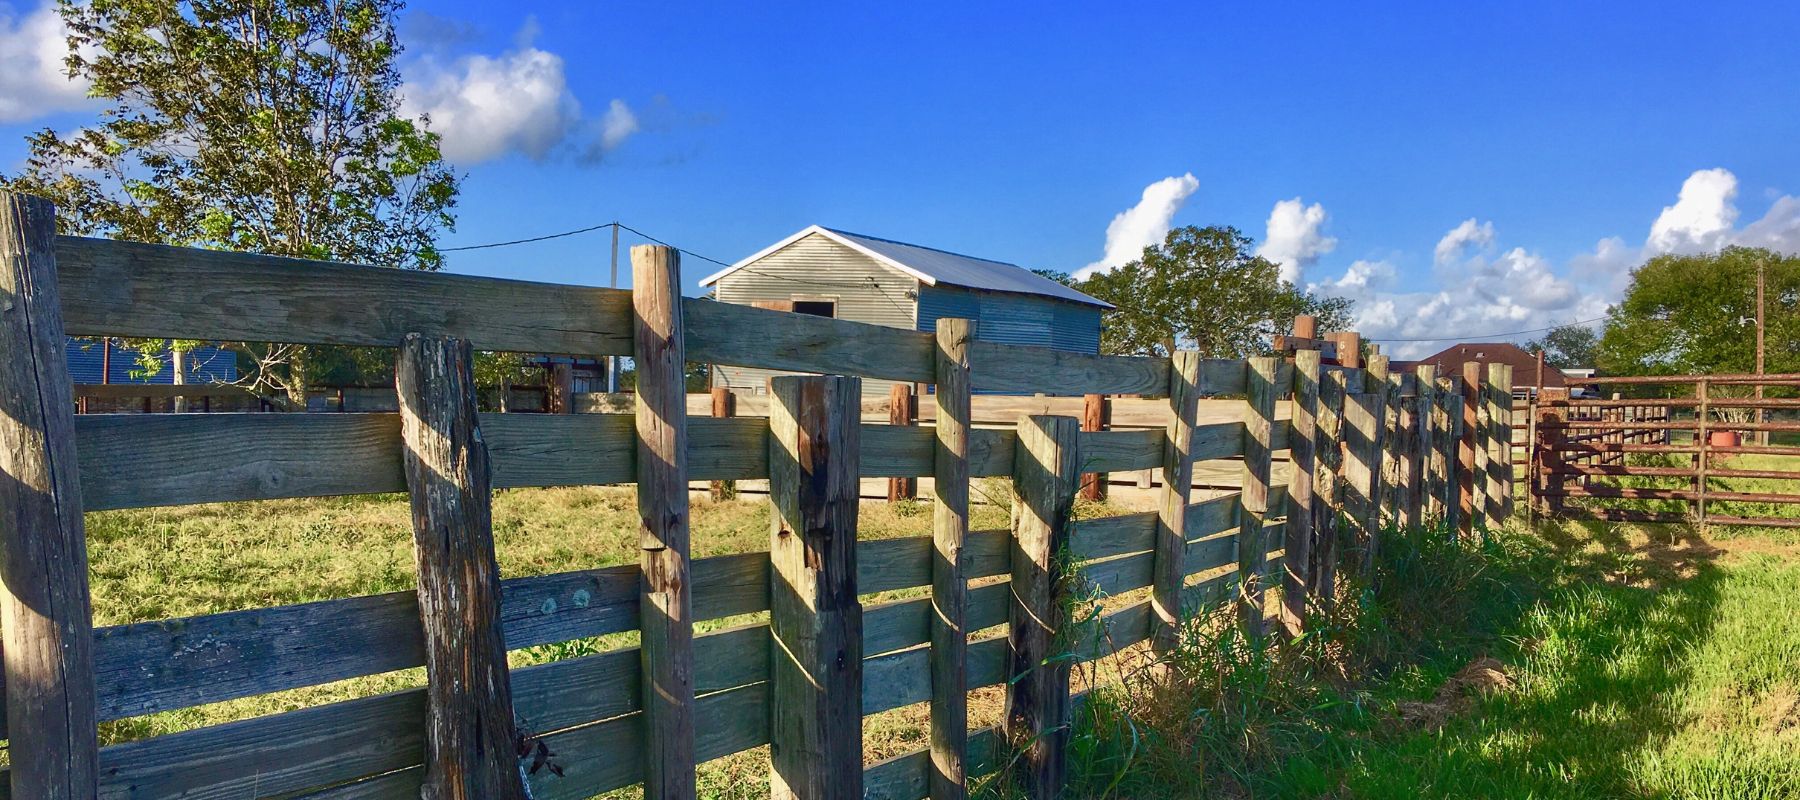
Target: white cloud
[
  {"x": 1702, "y": 216},
  {"x": 1470, "y": 235},
  {"x": 1477, "y": 294},
  {"x": 1295, "y": 238},
  {"x": 516, "y": 102},
  {"x": 32, "y": 81},
  {"x": 1144, "y": 224}
]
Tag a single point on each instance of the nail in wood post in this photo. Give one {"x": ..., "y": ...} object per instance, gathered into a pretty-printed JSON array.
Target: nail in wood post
[
  {"x": 903, "y": 410},
  {"x": 1327, "y": 500},
  {"x": 724, "y": 406},
  {"x": 1300, "y": 532},
  {"x": 1096, "y": 415},
  {"x": 665, "y": 605},
  {"x": 44, "y": 608},
  {"x": 949, "y": 588},
  {"x": 470, "y": 742},
  {"x": 1467, "y": 507},
  {"x": 1046, "y": 473},
  {"x": 814, "y": 616},
  {"x": 1253, "y": 506},
  {"x": 1171, "y": 518},
  {"x": 1504, "y": 432}
]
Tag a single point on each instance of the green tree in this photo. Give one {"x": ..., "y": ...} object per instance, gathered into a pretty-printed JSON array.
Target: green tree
[
  {"x": 1694, "y": 314},
  {"x": 1567, "y": 346},
  {"x": 270, "y": 126},
  {"x": 1204, "y": 289}
]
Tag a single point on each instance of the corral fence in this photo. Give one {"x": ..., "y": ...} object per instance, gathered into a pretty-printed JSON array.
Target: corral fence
[
  {"x": 1367, "y": 448},
  {"x": 1660, "y": 458}
]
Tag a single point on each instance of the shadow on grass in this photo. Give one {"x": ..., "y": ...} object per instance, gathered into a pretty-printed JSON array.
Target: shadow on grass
[{"x": 1599, "y": 663}]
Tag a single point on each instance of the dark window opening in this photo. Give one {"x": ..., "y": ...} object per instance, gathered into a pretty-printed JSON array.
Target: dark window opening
[{"x": 817, "y": 308}]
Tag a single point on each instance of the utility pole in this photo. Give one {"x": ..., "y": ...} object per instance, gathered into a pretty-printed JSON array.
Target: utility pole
[{"x": 612, "y": 362}]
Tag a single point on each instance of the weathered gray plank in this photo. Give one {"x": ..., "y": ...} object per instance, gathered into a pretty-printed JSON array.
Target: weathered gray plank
[
  {"x": 998, "y": 367},
  {"x": 122, "y": 288},
  {"x": 1263, "y": 378},
  {"x": 949, "y": 724},
  {"x": 1300, "y": 532},
  {"x": 1045, "y": 478},
  {"x": 1172, "y": 507}
]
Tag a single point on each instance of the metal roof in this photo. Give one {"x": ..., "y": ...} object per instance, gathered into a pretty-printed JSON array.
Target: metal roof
[{"x": 933, "y": 266}]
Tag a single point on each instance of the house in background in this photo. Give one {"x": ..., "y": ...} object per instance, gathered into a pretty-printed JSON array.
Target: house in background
[
  {"x": 832, "y": 273},
  {"x": 1450, "y": 360}
]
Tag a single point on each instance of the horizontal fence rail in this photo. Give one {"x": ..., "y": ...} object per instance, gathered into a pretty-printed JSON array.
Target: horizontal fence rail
[{"x": 648, "y": 714}]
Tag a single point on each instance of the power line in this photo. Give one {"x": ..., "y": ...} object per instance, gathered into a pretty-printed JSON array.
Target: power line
[
  {"x": 1490, "y": 335},
  {"x": 528, "y": 241}
]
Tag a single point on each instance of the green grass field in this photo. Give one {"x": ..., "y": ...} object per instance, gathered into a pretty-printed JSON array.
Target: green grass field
[{"x": 1625, "y": 662}]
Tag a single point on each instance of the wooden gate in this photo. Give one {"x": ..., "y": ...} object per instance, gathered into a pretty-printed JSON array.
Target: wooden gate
[{"x": 1706, "y": 449}]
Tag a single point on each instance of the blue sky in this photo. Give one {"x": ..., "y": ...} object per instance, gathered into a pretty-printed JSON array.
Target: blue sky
[{"x": 1556, "y": 137}]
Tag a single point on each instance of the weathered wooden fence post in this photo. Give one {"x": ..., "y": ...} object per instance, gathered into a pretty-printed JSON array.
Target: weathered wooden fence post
[
  {"x": 1299, "y": 531},
  {"x": 1431, "y": 468},
  {"x": 1449, "y": 439},
  {"x": 1503, "y": 390},
  {"x": 1253, "y": 507},
  {"x": 471, "y": 745},
  {"x": 1046, "y": 472},
  {"x": 1386, "y": 409},
  {"x": 1468, "y": 460},
  {"x": 1408, "y": 446},
  {"x": 903, "y": 410},
  {"x": 1362, "y": 471},
  {"x": 815, "y": 618},
  {"x": 1171, "y": 517},
  {"x": 1496, "y": 407},
  {"x": 1551, "y": 437},
  {"x": 1096, "y": 415},
  {"x": 44, "y": 608},
  {"x": 949, "y": 587},
  {"x": 724, "y": 406},
  {"x": 665, "y": 605},
  {"x": 1328, "y": 500}
]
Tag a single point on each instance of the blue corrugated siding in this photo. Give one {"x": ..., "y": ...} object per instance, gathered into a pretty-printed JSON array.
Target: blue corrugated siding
[
  {"x": 205, "y": 364},
  {"x": 1014, "y": 318}
]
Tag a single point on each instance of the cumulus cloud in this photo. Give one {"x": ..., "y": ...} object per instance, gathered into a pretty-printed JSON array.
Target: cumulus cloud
[
  {"x": 1469, "y": 236},
  {"x": 1295, "y": 238},
  {"x": 1479, "y": 293},
  {"x": 1144, "y": 224},
  {"x": 487, "y": 106},
  {"x": 32, "y": 81},
  {"x": 1703, "y": 214}
]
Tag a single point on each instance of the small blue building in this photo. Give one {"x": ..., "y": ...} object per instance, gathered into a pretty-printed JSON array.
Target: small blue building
[
  {"x": 833, "y": 273},
  {"x": 88, "y": 359}
]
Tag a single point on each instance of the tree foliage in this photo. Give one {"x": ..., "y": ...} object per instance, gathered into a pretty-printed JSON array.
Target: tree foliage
[
  {"x": 1693, "y": 314},
  {"x": 1567, "y": 346},
  {"x": 1203, "y": 289},
  {"x": 269, "y": 126}
]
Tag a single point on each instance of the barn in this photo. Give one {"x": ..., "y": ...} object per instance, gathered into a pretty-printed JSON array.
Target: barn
[{"x": 834, "y": 273}]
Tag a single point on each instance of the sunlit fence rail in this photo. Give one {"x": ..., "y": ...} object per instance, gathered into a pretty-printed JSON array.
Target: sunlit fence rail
[{"x": 1368, "y": 448}]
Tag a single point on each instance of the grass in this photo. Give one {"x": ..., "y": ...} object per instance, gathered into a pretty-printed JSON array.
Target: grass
[{"x": 1577, "y": 661}]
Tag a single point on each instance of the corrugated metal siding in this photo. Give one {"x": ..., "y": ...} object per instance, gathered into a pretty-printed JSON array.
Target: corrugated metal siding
[
  {"x": 817, "y": 268},
  {"x": 204, "y": 364},
  {"x": 1014, "y": 318}
]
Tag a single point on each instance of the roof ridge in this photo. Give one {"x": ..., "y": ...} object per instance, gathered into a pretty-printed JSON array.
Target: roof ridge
[{"x": 842, "y": 232}]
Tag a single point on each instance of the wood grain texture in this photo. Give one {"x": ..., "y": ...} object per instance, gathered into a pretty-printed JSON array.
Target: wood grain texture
[
  {"x": 45, "y": 620},
  {"x": 1467, "y": 485},
  {"x": 1408, "y": 463},
  {"x": 1300, "y": 533},
  {"x": 724, "y": 333},
  {"x": 1432, "y": 471},
  {"x": 471, "y": 745},
  {"x": 1448, "y": 439},
  {"x": 665, "y": 607},
  {"x": 1362, "y": 467},
  {"x": 816, "y": 665},
  {"x": 948, "y": 670},
  {"x": 121, "y": 288},
  {"x": 1096, "y": 415},
  {"x": 1172, "y": 500},
  {"x": 1018, "y": 369},
  {"x": 1263, "y": 378},
  {"x": 1045, "y": 477},
  {"x": 1329, "y": 505},
  {"x": 724, "y": 406},
  {"x": 1503, "y": 432},
  {"x": 903, "y": 411}
]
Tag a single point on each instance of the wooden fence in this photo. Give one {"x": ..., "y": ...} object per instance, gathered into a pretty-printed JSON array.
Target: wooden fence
[
  {"x": 1368, "y": 448},
  {"x": 1582, "y": 450}
]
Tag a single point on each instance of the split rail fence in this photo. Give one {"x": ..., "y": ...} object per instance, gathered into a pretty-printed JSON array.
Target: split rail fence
[
  {"x": 1632, "y": 459},
  {"x": 1369, "y": 448}
]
